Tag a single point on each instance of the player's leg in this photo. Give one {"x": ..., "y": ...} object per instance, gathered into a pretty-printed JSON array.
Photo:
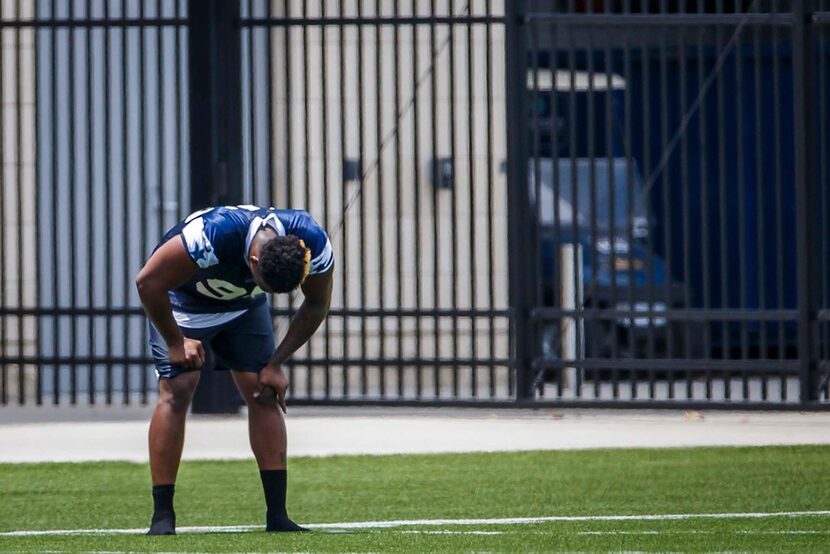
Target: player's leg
[
  {"x": 166, "y": 439},
  {"x": 246, "y": 345},
  {"x": 166, "y": 436},
  {"x": 266, "y": 429},
  {"x": 266, "y": 424}
]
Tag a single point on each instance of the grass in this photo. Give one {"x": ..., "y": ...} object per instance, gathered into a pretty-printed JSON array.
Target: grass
[{"x": 497, "y": 485}]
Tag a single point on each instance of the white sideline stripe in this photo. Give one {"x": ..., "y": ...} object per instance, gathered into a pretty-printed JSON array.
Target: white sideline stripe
[
  {"x": 423, "y": 523},
  {"x": 699, "y": 532}
]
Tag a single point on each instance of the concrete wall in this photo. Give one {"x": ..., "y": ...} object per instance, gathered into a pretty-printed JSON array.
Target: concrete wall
[{"x": 17, "y": 194}]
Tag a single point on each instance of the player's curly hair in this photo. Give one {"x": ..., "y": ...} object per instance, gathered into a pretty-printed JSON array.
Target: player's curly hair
[{"x": 284, "y": 262}]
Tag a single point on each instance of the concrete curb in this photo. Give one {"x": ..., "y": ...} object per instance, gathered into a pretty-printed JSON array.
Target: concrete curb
[{"x": 61, "y": 434}]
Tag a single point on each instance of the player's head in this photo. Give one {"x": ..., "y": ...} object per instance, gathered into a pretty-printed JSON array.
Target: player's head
[{"x": 282, "y": 265}]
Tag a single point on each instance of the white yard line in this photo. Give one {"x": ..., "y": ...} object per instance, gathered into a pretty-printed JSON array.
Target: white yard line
[
  {"x": 424, "y": 523},
  {"x": 699, "y": 532}
]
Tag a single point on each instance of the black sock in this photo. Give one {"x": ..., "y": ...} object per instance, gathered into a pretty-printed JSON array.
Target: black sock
[
  {"x": 274, "y": 483},
  {"x": 164, "y": 518}
]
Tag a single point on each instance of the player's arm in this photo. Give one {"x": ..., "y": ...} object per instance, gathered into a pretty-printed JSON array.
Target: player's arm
[
  {"x": 169, "y": 267},
  {"x": 317, "y": 299}
]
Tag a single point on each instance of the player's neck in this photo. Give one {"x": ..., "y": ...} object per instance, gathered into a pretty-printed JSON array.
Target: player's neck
[{"x": 260, "y": 237}]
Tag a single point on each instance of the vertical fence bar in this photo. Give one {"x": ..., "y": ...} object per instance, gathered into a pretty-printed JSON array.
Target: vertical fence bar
[
  {"x": 400, "y": 370},
  {"x": 742, "y": 216},
  {"x": 250, "y": 69},
  {"x": 142, "y": 179},
  {"x": 823, "y": 330},
  {"x": 633, "y": 335},
  {"x": 344, "y": 264},
  {"x": 160, "y": 122},
  {"x": 471, "y": 180},
  {"x": 592, "y": 251},
  {"x": 706, "y": 262},
  {"x": 686, "y": 232},
  {"x": 125, "y": 201},
  {"x": 821, "y": 348},
  {"x": 491, "y": 290},
  {"x": 556, "y": 183},
  {"x": 578, "y": 269},
  {"x": 724, "y": 253},
  {"x": 21, "y": 371},
  {"x": 436, "y": 298},
  {"x": 108, "y": 209},
  {"x": 535, "y": 160},
  {"x": 361, "y": 124},
  {"x": 779, "y": 223},
  {"x": 73, "y": 270},
  {"x": 181, "y": 142},
  {"x": 647, "y": 175},
  {"x": 522, "y": 263},
  {"x": 18, "y": 207},
  {"x": 289, "y": 132},
  {"x": 90, "y": 207},
  {"x": 416, "y": 143},
  {"x": 612, "y": 206},
  {"x": 379, "y": 198},
  {"x": 269, "y": 99},
  {"x": 309, "y": 377},
  {"x": 666, "y": 193},
  {"x": 760, "y": 190},
  {"x": 54, "y": 199},
  {"x": 453, "y": 199},
  {"x": 806, "y": 192},
  {"x": 4, "y": 375},
  {"x": 36, "y": 179},
  {"x": 326, "y": 222}
]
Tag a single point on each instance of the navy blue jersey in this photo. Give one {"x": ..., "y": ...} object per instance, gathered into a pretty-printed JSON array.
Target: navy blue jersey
[{"x": 218, "y": 239}]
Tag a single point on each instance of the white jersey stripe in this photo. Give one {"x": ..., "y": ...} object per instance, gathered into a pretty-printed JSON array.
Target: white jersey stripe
[{"x": 323, "y": 261}]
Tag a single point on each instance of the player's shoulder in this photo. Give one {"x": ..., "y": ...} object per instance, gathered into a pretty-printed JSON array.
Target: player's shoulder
[
  {"x": 214, "y": 234},
  {"x": 298, "y": 220},
  {"x": 302, "y": 224}
]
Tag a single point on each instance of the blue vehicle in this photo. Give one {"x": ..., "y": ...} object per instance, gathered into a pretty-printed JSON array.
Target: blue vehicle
[
  {"x": 591, "y": 195},
  {"x": 619, "y": 268}
]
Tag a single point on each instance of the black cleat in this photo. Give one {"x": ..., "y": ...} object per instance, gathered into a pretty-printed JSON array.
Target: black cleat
[{"x": 163, "y": 524}]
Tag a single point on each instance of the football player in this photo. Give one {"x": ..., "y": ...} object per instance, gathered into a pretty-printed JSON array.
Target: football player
[{"x": 203, "y": 290}]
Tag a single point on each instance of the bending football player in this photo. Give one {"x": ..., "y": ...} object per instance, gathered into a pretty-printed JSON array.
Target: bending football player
[{"x": 203, "y": 290}]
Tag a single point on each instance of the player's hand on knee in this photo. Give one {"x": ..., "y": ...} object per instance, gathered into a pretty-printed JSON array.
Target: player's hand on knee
[
  {"x": 189, "y": 353},
  {"x": 272, "y": 386}
]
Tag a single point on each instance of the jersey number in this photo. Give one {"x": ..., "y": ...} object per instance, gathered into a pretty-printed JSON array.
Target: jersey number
[{"x": 219, "y": 289}]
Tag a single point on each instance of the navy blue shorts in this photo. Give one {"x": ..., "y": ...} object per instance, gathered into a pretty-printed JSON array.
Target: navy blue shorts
[{"x": 242, "y": 344}]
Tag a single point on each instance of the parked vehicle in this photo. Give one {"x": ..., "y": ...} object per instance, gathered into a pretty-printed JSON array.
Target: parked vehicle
[
  {"x": 601, "y": 209},
  {"x": 591, "y": 195}
]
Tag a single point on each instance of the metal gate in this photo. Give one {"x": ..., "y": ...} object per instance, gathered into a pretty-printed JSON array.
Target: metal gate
[
  {"x": 385, "y": 119},
  {"x": 676, "y": 205},
  {"x": 532, "y": 203}
]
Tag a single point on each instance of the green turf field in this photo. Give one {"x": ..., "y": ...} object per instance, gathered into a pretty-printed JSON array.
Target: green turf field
[{"x": 447, "y": 487}]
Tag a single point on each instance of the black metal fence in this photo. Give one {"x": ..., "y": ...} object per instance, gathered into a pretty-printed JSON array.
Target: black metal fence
[
  {"x": 385, "y": 120},
  {"x": 531, "y": 203},
  {"x": 94, "y": 163},
  {"x": 676, "y": 170}
]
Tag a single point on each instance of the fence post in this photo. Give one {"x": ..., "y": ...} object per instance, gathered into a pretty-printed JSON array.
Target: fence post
[
  {"x": 215, "y": 98},
  {"x": 804, "y": 99},
  {"x": 521, "y": 246}
]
